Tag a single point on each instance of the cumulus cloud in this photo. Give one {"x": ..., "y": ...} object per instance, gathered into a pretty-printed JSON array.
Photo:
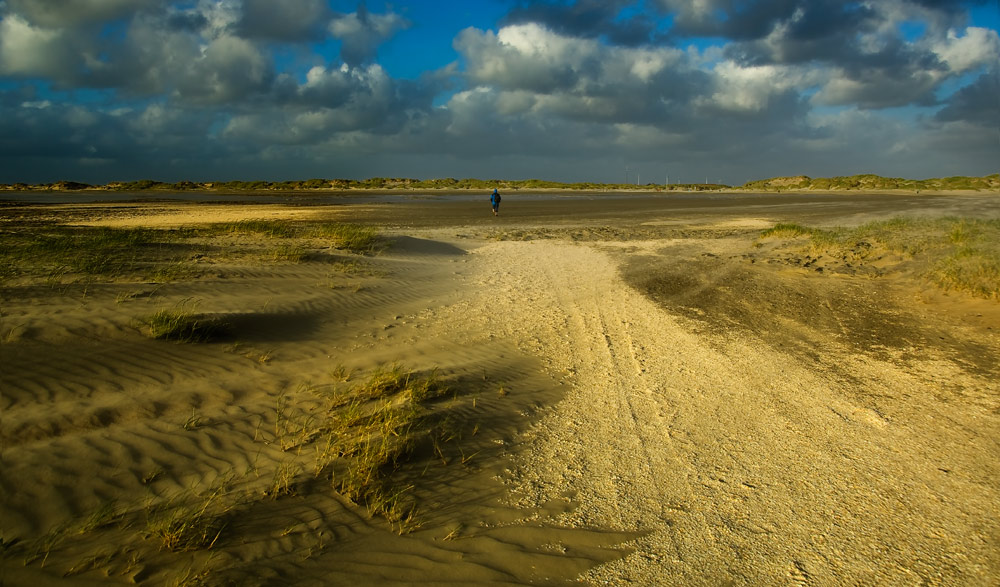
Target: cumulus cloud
[
  {"x": 62, "y": 13},
  {"x": 977, "y": 47},
  {"x": 978, "y": 102},
  {"x": 529, "y": 57},
  {"x": 290, "y": 20},
  {"x": 361, "y": 33},
  {"x": 29, "y": 50},
  {"x": 590, "y": 19},
  {"x": 228, "y": 69},
  {"x": 525, "y": 57}
]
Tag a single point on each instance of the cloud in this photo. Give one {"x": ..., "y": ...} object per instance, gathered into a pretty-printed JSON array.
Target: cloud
[
  {"x": 589, "y": 19},
  {"x": 529, "y": 57},
  {"x": 28, "y": 50},
  {"x": 63, "y": 13},
  {"x": 296, "y": 21},
  {"x": 977, "y": 103},
  {"x": 361, "y": 33},
  {"x": 526, "y": 56},
  {"x": 977, "y": 47},
  {"x": 753, "y": 89},
  {"x": 229, "y": 69}
]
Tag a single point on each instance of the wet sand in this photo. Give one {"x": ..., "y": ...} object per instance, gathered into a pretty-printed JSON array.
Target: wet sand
[{"x": 640, "y": 395}]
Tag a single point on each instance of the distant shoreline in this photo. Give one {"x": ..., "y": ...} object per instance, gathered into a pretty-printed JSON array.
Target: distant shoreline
[
  {"x": 377, "y": 185},
  {"x": 167, "y": 192}
]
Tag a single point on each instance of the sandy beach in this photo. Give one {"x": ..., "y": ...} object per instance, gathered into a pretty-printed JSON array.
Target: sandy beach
[{"x": 635, "y": 389}]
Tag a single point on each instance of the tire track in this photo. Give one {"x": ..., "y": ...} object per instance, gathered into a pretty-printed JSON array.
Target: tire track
[{"x": 744, "y": 463}]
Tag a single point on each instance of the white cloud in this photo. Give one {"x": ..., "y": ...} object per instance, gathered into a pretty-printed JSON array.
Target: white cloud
[
  {"x": 750, "y": 89},
  {"x": 533, "y": 58},
  {"x": 976, "y": 48},
  {"x": 221, "y": 16},
  {"x": 229, "y": 69},
  {"x": 30, "y": 50}
]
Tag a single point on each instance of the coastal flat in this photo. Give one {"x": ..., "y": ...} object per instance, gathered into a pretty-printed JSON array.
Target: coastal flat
[{"x": 639, "y": 389}]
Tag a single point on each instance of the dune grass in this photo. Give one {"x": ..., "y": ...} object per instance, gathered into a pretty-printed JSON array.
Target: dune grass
[
  {"x": 187, "y": 522},
  {"x": 58, "y": 250},
  {"x": 372, "y": 426},
  {"x": 352, "y": 237},
  {"x": 269, "y": 228},
  {"x": 961, "y": 254},
  {"x": 181, "y": 324},
  {"x": 356, "y": 238},
  {"x": 54, "y": 253}
]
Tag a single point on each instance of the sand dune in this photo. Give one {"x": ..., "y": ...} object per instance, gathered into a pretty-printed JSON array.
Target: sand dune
[{"x": 597, "y": 434}]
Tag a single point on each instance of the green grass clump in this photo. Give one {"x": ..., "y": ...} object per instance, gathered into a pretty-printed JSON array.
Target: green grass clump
[
  {"x": 289, "y": 253},
  {"x": 356, "y": 238},
  {"x": 271, "y": 228},
  {"x": 973, "y": 261},
  {"x": 57, "y": 250},
  {"x": 181, "y": 324}
]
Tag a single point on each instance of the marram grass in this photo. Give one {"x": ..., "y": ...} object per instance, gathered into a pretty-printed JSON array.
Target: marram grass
[{"x": 960, "y": 254}]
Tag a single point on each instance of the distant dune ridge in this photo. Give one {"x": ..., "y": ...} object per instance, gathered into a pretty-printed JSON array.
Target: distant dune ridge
[
  {"x": 875, "y": 182},
  {"x": 796, "y": 182}
]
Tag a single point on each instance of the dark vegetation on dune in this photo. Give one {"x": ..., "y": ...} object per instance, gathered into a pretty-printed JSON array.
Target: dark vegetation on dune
[{"x": 799, "y": 182}]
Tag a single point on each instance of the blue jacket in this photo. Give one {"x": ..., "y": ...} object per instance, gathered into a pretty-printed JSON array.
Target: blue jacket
[{"x": 495, "y": 198}]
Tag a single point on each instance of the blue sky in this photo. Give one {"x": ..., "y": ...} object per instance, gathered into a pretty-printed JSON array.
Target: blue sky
[{"x": 115, "y": 90}]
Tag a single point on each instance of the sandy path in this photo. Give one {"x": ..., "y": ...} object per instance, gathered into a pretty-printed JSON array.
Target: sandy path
[{"x": 744, "y": 464}]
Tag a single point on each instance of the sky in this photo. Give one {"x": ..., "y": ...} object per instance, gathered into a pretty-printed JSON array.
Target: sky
[{"x": 650, "y": 91}]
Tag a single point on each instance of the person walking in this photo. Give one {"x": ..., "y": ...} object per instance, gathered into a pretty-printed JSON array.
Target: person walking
[{"x": 495, "y": 202}]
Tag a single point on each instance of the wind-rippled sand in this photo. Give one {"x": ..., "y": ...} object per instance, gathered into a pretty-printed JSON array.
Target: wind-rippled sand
[{"x": 604, "y": 433}]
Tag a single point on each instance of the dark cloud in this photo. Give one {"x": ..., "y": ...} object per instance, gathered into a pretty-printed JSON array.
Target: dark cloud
[
  {"x": 61, "y": 13},
  {"x": 952, "y": 6},
  {"x": 361, "y": 33},
  {"x": 297, "y": 21},
  {"x": 731, "y": 19},
  {"x": 191, "y": 22},
  {"x": 59, "y": 141},
  {"x": 748, "y": 20},
  {"x": 978, "y": 102},
  {"x": 590, "y": 19}
]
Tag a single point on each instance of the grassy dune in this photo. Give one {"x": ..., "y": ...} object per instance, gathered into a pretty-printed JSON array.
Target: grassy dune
[
  {"x": 961, "y": 254},
  {"x": 59, "y": 254},
  {"x": 800, "y": 182}
]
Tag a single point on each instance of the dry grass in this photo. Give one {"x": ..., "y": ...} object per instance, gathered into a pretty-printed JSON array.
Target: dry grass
[
  {"x": 181, "y": 324},
  {"x": 189, "y": 522},
  {"x": 961, "y": 254},
  {"x": 377, "y": 423},
  {"x": 52, "y": 253}
]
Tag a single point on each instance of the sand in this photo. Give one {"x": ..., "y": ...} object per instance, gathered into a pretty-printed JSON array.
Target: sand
[{"x": 639, "y": 395}]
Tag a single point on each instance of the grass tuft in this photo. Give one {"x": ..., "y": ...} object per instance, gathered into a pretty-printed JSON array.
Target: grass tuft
[
  {"x": 182, "y": 325},
  {"x": 190, "y": 526},
  {"x": 356, "y": 238},
  {"x": 787, "y": 230},
  {"x": 271, "y": 228},
  {"x": 367, "y": 431}
]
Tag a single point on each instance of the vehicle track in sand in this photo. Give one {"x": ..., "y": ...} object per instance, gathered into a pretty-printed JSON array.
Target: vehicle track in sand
[{"x": 743, "y": 463}]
